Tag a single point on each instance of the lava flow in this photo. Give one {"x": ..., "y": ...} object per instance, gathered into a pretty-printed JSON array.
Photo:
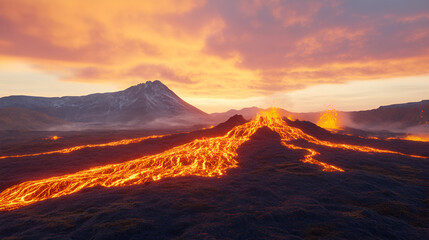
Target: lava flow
[
  {"x": 419, "y": 138},
  {"x": 329, "y": 119},
  {"x": 207, "y": 157},
  {"x": 75, "y": 148}
]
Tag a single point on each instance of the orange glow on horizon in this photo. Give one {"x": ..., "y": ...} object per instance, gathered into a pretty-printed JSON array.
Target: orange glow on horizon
[
  {"x": 419, "y": 138},
  {"x": 206, "y": 157}
]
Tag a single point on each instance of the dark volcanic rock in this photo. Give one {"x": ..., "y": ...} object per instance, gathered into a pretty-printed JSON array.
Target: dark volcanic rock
[
  {"x": 309, "y": 128},
  {"x": 266, "y": 134},
  {"x": 271, "y": 195},
  {"x": 232, "y": 122}
]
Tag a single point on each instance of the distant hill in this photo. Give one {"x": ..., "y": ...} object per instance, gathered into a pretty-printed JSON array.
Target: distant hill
[
  {"x": 247, "y": 113},
  {"x": 391, "y": 117},
  {"x": 397, "y": 116},
  {"x": 24, "y": 119},
  {"x": 140, "y": 103},
  {"x": 154, "y": 105}
]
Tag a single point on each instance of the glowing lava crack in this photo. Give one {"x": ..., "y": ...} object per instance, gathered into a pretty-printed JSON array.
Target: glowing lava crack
[{"x": 206, "y": 157}]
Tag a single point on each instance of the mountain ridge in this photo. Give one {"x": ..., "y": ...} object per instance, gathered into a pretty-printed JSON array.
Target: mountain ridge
[
  {"x": 142, "y": 102},
  {"x": 154, "y": 105},
  {"x": 398, "y": 116}
]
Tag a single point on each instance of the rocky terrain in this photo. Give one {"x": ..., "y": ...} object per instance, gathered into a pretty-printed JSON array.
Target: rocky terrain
[{"x": 271, "y": 195}]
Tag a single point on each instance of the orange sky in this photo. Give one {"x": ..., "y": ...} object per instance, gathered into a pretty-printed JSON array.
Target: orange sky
[{"x": 232, "y": 53}]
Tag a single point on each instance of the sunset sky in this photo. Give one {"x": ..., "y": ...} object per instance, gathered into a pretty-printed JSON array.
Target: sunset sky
[{"x": 221, "y": 54}]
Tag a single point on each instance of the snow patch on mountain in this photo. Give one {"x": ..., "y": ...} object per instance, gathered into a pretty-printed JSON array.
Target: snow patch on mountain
[{"x": 141, "y": 103}]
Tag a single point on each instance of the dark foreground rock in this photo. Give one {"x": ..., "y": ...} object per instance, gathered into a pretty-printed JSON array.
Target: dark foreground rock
[{"x": 272, "y": 195}]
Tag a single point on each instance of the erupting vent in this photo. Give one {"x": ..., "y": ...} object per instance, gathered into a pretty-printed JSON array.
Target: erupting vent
[
  {"x": 207, "y": 157},
  {"x": 329, "y": 119}
]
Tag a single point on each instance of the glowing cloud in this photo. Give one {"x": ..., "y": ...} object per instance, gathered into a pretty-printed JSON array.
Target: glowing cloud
[{"x": 220, "y": 49}]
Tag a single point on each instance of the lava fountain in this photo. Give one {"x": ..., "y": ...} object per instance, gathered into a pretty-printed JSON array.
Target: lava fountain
[
  {"x": 329, "y": 119},
  {"x": 207, "y": 157}
]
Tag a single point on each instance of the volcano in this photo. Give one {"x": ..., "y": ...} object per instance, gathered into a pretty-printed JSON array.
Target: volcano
[{"x": 268, "y": 172}]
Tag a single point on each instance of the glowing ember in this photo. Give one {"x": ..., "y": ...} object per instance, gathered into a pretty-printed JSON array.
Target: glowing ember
[
  {"x": 422, "y": 120},
  {"x": 207, "y": 157},
  {"x": 329, "y": 119},
  {"x": 53, "y": 138}
]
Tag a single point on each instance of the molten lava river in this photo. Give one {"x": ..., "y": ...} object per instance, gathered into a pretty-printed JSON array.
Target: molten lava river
[{"x": 207, "y": 157}]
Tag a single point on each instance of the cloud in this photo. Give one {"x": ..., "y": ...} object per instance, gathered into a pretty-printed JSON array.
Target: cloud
[
  {"x": 328, "y": 33},
  {"x": 138, "y": 72},
  {"x": 157, "y": 71},
  {"x": 228, "y": 49}
]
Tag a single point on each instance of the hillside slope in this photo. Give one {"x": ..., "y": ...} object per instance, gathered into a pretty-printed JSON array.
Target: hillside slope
[
  {"x": 24, "y": 119},
  {"x": 394, "y": 116}
]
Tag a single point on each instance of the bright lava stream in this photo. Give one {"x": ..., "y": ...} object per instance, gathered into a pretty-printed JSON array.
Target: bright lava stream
[{"x": 207, "y": 157}]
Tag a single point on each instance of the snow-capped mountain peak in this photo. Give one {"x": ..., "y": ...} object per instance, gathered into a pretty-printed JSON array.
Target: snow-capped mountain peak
[{"x": 142, "y": 102}]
